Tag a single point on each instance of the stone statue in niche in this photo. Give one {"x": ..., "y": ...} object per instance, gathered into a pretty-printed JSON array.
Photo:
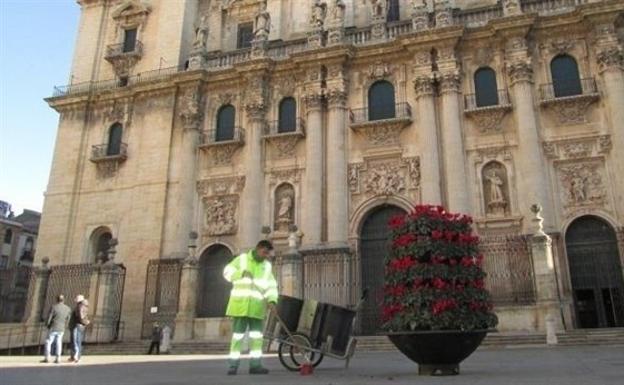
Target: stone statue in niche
[
  {"x": 318, "y": 14},
  {"x": 379, "y": 8},
  {"x": 495, "y": 189},
  {"x": 338, "y": 12},
  {"x": 262, "y": 25},
  {"x": 202, "y": 33},
  {"x": 284, "y": 207}
]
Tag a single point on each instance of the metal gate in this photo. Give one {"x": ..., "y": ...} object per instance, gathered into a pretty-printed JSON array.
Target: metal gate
[
  {"x": 374, "y": 247},
  {"x": 14, "y": 289},
  {"x": 69, "y": 280},
  {"x": 596, "y": 273},
  {"x": 162, "y": 291}
]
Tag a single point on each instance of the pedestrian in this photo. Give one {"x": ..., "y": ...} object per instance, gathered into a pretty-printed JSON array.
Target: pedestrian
[
  {"x": 56, "y": 324},
  {"x": 156, "y": 337},
  {"x": 253, "y": 285},
  {"x": 77, "y": 325}
]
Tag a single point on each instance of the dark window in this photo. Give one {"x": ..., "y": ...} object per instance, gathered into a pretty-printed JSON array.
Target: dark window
[
  {"x": 123, "y": 81},
  {"x": 245, "y": 35},
  {"x": 101, "y": 247},
  {"x": 287, "y": 115},
  {"x": 225, "y": 123},
  {"x": 129, "y": 42},
  {"x": 565, "y": 76},
  {"x": 486, "y": 93},
  {"x": 214, "y": 290},
  {"x": 381, "y": 101},
  {"x": 114, "y": 140},
  {"x": 8, "y": 236},
  {"x": 393, "y": 10}
]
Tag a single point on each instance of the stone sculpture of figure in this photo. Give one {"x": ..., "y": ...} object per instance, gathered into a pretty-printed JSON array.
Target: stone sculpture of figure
[
  {"x": 318, "y": 13},
  {"x": 577, "y": 189},
  {"x": 496, "y": 189},
  {"x": 379, "y": 8},
  {"x": 419, "y": 5},
  {"x": 263, "y": 23},
  {"x": 338, "y": 12},
  {"x": 285, "y": 207},
  {"x": 202, "y": 33}
]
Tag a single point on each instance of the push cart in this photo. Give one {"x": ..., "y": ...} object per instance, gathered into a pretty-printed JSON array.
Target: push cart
[{"x": 307, "y": 330}]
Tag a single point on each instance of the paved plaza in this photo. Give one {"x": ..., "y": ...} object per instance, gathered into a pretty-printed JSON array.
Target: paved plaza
[{"x": 588, "y": 365}]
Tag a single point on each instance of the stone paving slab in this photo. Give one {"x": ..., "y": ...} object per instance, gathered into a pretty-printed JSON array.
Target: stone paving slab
[{"x": 588, "y": 365}]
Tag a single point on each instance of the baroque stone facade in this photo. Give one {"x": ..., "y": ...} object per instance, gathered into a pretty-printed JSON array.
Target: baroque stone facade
[{"x": 435, "y": 136}]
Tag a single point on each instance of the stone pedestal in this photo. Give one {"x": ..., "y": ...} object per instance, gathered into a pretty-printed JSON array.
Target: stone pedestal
[
  {"x": 187, "y": 300},
  {"x": 315, "y": 38},
  {"x": 108, "y": 299},
  {"x": 37, "y": 292},
  {"x": 548, "y": 305},
  {"x": 291, "y": 277}
]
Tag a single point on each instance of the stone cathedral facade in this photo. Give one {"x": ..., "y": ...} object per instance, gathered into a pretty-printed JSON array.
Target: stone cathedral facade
[{"x": 193, "y": 128}]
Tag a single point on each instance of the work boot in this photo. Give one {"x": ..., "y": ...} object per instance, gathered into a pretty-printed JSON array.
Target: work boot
[
  {"x": 258, "y": 370},
  {"x": 57, "y": 360},
  {"x": 45, "y": 361},
  {"x": 232, "y": 371}
]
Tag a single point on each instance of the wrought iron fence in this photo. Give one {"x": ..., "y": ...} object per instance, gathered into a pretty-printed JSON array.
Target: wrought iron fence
[
  {"x": 509, "y": 267},
  {"x": 276, "y": 127},
  {"x": 15, "y": 286},
  {"x": 214, "y": 136},
  {"x": 571, "y": 87},
  {"x": 472, "y": 102},
  {"x": 162, "y": 290},
  {"x": 330, "y": 276},
  {"x": 396, "y": 111}
]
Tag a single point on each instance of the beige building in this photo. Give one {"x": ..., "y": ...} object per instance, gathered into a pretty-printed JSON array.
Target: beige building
[{"x": 237, "y": 119}]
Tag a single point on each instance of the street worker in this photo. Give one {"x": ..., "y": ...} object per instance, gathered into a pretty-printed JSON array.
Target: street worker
[{"x": 253, "y": 285}]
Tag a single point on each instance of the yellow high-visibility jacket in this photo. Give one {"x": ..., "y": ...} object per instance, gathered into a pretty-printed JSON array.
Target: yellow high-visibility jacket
[{"x": 249, "y": 295}]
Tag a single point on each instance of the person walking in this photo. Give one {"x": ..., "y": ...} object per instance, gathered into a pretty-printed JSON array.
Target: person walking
[
  {"x": 253, "y": 285},
  {"x": 156, "y": 337},
  {"x": 77, "y": 325},
  {"x": 56, "y": 324}
]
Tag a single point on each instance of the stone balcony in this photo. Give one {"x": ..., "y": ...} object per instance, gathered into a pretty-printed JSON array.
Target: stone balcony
[
  {"x": 570, "y": 100},
  {"x": 284, "y": 137},
  {"x": 105, "y": 153},
  {"x": 487, "y": 112},
  {"x": 222, "y": 145},
  {"x": 123, "y": 57},
  {"x": 381, "y": 126}
]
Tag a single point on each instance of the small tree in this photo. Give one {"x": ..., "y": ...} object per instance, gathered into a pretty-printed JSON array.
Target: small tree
[{"x": 433, "y": 275}]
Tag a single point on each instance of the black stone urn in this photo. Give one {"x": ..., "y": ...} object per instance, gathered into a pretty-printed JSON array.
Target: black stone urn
[{"x": 437, "y": 352}]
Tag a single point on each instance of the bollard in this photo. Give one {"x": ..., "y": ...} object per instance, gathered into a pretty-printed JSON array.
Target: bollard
[{"x": 551, "y": 334}]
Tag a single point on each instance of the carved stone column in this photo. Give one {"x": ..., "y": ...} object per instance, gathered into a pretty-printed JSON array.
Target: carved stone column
[
  {"x": 531, "y": 171},
  {"x": 313, "y": 188},
  {"x": 430, "y": 158},
  {"x": 453, "y": 143},
  {"x": 253, "y": 197},
  {"x": 187, "y": 300},
  {"x": 610, "y": 59},
  {"x": 337, "y": 186}
]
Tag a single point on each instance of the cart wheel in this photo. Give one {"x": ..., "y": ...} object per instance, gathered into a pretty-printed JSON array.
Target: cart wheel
[{"x": 297, "y": 349}]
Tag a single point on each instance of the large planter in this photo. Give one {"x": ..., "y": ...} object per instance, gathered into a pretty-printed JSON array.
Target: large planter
[{"x": 437, "y": 352}]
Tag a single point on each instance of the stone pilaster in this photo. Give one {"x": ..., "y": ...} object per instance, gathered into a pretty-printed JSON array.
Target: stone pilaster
[
  {"x": 37, "y": 291},
  {"x": 430, "y": 157},
  {"x": 313, "y": 186},
  {"x": 531, "y": 171},
  {"x": 107, "y": 301},
  {"x": 452, "y": 138},
  {"x": 187, "y": 300}
]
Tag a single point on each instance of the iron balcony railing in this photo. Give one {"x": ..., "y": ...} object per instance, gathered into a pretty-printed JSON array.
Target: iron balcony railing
[
  {"x": 278, "y": 128},
  {"x": 474, "y": 101},
  {"x": 398, "y": 111},
  {"x": 115, "y": 50},
  {"x": 222, "y": 136},
  {"x": 103, "y": 152},
  {"x": 568, "y": 88}
]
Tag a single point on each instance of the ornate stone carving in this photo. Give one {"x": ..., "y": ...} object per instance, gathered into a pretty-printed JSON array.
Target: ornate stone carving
[
  {"x": 520, "y": 71},
  {"x": 285, "y": 144},
  {"x": 226, "y": 98},
  {"x": 338, "y": 13},
  {"x": 559, "y": 46},
  {"x": 420, "y": 16},
  {"x": 450, "y": 82},
  {"x": 284, "y": 214},
  {"x": 190, "y": 112},
  {"x": 221, "y": 215},
  {"x": 495, "y": 189},
  {"x": 423, "y": 86},
  {"x": 255, "y": 111},
  {"x": 354, "y": 176},
  {"x": 485, "y": 154},
  {"x": 201, "y": 34},
  {"x": 131, "y": 13},
  {"x": 379, "y": 70},
  {"x": 483, "y": 56},
  {"x": 582, "y": 184},
  {"x": 292, "y": 176},
  {"x": 511, "y": 7},
  {"x": 384, "y": 176},
  {"x": 107, "y": 170},
  {"x": 313, "y": 100},
  {"x": 384, "y": 179},
  {"x": 604, "y": 144},
  {"x": 384, "y": 134},
  {"x": 550, "y": 150},
  {"x": 262, "y": 23},
  {"x": 336, "y": 98},
  {"x": 610, "y": 58},
  {"x": 318, "y": 14},
  {"x": 413, "y": 169},
  {"x": 573, "y": 109},
  {"x": 443, "y": 13},
  {"x": 489, "y": 120},
  {"x": 222, "y": 154},
  {"x": 379, "y": 9},
  {"x": 221, "y": 186},
  {"x": 577, "y": 149}
]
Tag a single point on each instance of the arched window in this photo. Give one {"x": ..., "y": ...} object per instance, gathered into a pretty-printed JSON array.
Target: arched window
[
  {"x": 225, "y": 123},
  {"x": 565, "y": 76},
  {"x": 214, "y": 290},
  {"x": 287, "y": 115},
  {"x": 393, "y": 11},
  {"x": 114, "y": 139},
  {"x": 381, "y": 101},
  {"x": 8, "y": 236},
  {"x": 486, "y": 91}
]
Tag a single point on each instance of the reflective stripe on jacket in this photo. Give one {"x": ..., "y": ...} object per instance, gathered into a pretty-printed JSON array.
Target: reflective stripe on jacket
[{"x": 249, "y": 295}]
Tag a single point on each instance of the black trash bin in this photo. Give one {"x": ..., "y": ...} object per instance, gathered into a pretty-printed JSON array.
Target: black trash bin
[
  {"x": 334, "y": 321},
  {"x": 289, "y": 310}
]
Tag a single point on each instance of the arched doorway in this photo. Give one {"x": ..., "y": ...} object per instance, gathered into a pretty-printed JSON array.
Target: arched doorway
[
  {"x": 214, "y": 290},
  {"x": 374, "y": 246},
  {"x": 596, "y": 273}
]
